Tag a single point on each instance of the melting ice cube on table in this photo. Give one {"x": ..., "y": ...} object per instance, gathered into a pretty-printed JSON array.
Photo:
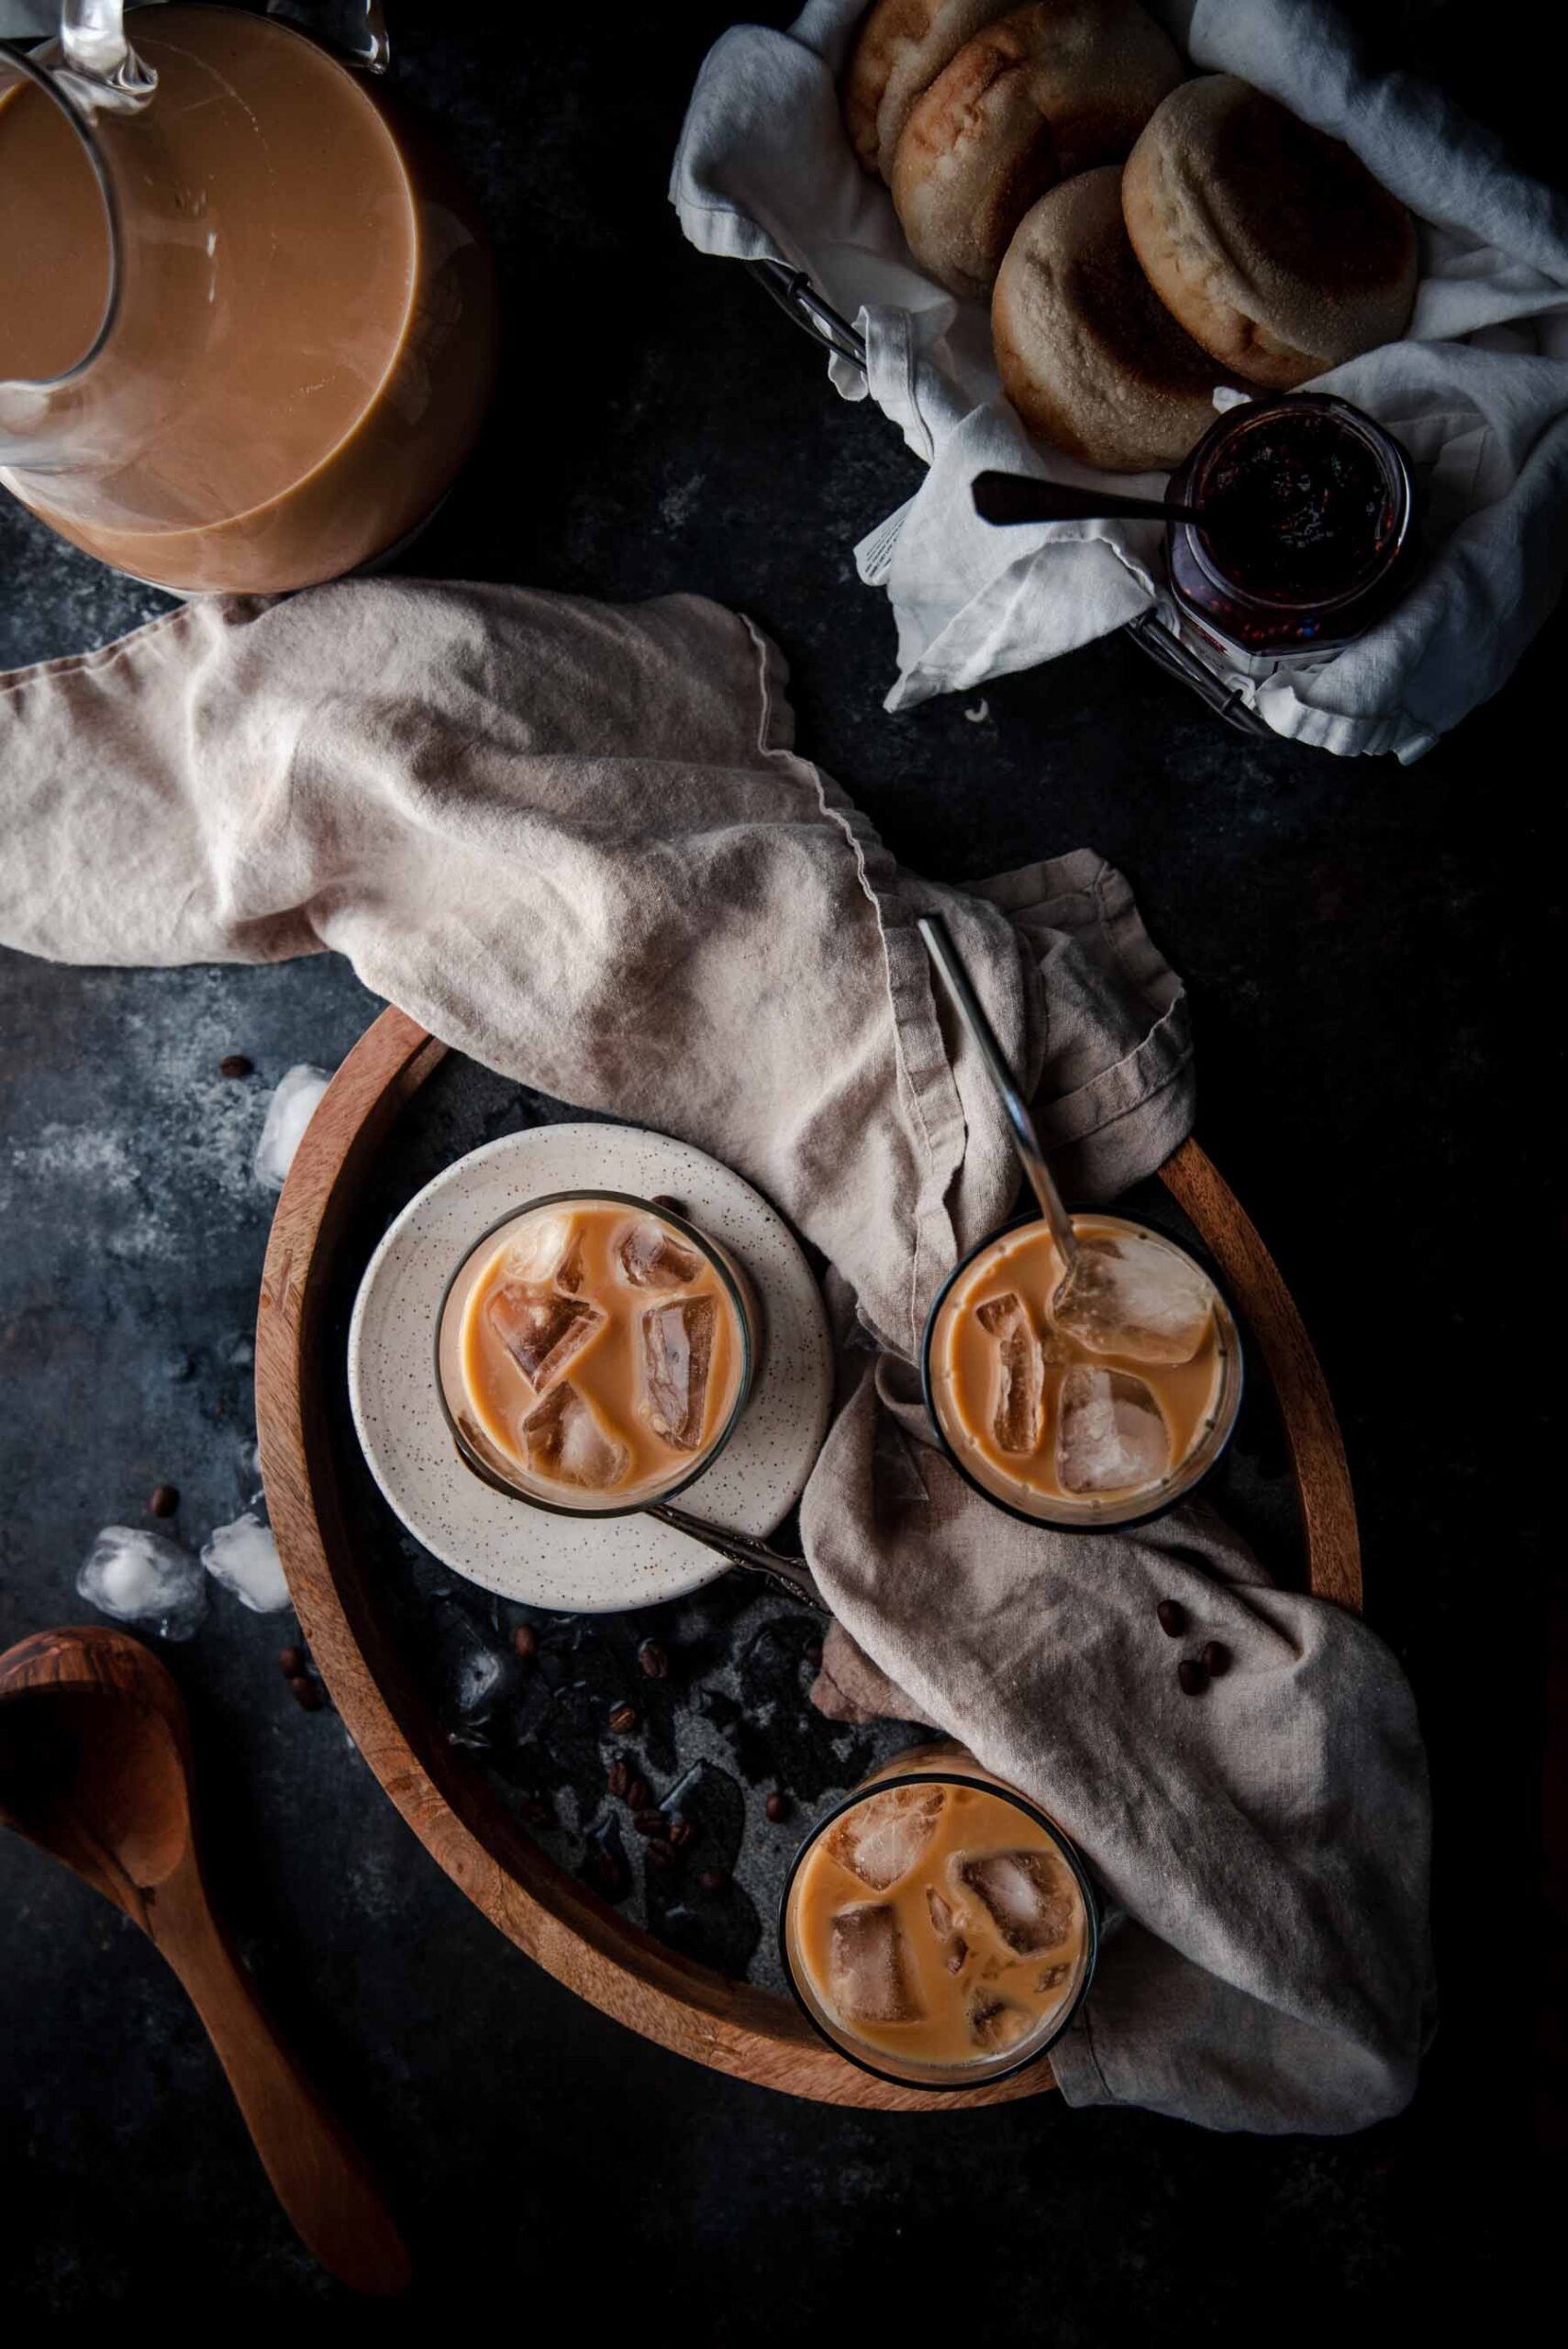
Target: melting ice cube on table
[
  {"x": 542, "y": 1329},
  {"x": 289, "y": 1111},
  {"x": 677, "y": 1350},
  {"x": 142, "y": 1578},
  {"x": 1131, "y": 1296},
  {"x": 866, "y": 1976},
  {"x": 881, "y": 1839},
  {"x": 1027, "y": 1895},
  {"x": 1111, "y": 1435},
  {"x": 1020, "y": 1373},
  {"x": 566, "y": 1441},
  {"x": 652, "y": 1257},
  {"x": 244, "y": 1558}
]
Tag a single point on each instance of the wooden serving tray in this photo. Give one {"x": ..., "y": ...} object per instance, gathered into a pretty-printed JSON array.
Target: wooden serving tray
[{"x": 328, "y": 1558}]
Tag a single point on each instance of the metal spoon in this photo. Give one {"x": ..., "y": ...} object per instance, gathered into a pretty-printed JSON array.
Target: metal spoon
[
  {"x": 1020, "y": 498},
  {"x": 96, "y": 1768},
  {"x": 1026, "y": 1142},
  {"x": 743, "y": 1550}
]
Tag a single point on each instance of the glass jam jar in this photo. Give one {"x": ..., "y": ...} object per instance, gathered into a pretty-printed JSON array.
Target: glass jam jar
[{"x": 1306, "y": 534}]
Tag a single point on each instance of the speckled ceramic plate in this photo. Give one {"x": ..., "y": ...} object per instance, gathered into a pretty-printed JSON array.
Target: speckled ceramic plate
[{"x": 580, "y": 1565}]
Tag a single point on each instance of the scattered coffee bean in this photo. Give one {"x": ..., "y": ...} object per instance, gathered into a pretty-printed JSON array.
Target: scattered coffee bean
[
  {"x": 1173, "y": 1617},
  {"x": 714, "y": 1879},
  {"x": 291, "y": 1662},
  {"x": 812, "y": 1652},
  {"x": 234, "y": 1064},
  {"x": 670, "y": 1205},
  {"x": 1192, "y": 1675},
  {"x": 654, "y": 1662},
  {"x": 619, "y": 1780},
  {"x": 653, "y": 1825},
  {"x": 535, "y": 1811},
  {"x": 525, "y": 1641},
  {"x": 623, "y": 1718},
  {"x": 1216, "y": 1659},
  {"x": 682, "y": 1830},
  {"x": 306, "y": 1692},
  {"x": 640, "y": 1795},
  {"x": 661, "y": 1857},
  {"x": 778, "y": 1808},
  {"x": 163, "y": 1501}
]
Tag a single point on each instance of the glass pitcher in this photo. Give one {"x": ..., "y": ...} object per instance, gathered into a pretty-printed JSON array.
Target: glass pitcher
[{"x": 247, "y": 316}]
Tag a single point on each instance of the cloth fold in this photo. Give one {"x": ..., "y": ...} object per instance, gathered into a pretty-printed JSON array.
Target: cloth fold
[
  {"x": 578, "y": 843},
  {"x": 1477, "y": 390}
]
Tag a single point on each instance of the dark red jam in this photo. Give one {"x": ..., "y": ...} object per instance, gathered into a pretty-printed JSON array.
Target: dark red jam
[{"x": 1305, "y": 534}]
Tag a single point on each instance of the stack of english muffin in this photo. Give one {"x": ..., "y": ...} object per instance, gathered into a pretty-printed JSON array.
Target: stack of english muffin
[{"x": 1141, "y": 237}]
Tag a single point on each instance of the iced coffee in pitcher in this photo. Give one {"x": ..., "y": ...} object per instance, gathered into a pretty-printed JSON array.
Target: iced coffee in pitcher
[
  {"x": 938, "y": 1928},
  {"x": 247, "y": 316}
]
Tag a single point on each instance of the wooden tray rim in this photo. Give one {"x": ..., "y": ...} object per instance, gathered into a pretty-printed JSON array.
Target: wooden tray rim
[{"x": 735, "y": 2027}]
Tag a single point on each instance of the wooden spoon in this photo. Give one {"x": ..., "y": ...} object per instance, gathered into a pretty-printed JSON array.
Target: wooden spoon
[{"x": 95, "y": 1767}]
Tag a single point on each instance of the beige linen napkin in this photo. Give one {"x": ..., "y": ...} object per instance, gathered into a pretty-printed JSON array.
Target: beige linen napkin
[{"x": 577, "y": 842}]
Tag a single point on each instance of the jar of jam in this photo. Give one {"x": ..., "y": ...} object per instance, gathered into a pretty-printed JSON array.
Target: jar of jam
[{"x": 1306, "y": 537}]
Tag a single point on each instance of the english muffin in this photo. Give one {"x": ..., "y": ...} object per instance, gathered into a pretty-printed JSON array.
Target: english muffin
[
  {"x": 902, "y": 46},
  {"x": 1044, "y": 92},
  {"x": 1271, "y": 242},
  {"x": 1089, "y": 356}
]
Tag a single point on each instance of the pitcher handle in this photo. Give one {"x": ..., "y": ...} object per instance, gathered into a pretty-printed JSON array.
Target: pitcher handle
[{"x": 102, "y": 71}]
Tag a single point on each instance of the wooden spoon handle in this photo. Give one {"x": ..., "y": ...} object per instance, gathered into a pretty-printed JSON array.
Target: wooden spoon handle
[{"x": 317, "y": 2172}]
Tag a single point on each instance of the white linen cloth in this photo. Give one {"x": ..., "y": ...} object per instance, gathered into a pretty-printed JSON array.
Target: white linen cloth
[{"x": 1477, "y": 391}]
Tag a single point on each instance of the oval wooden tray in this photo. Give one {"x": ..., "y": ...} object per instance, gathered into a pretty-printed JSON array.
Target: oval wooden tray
[{"x": 735, "y": 2026}]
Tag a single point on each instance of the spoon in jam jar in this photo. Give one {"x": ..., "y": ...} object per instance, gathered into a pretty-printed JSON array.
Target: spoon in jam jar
[
  {"x": 1019, "y": 497},
  {"x": 1128, "y": 1296}
]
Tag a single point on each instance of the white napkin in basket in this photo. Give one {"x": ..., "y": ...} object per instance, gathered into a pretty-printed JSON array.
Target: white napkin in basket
[{"x": 1478, "y": 391}]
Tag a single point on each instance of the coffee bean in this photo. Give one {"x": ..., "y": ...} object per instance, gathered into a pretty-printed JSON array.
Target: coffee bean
[
  {"x": 778, "y": 1808},
  {"x": 682, "y": 1830},
  {"x": 1216, "y": 1659},
  {"x": 163, "y": 1501},
  {"x": 654, "y": 1662},
  {"x": 234, "y": 1064},
  {"x": 525, "y": 1641},
  {"x": 714, "y": 1879},
  {"x": 661, "y": 1857},
  {"x": 670, "y": 1205},
  {"x": 623, "y": 1719},
  {"x": 1192, "y": 1675},
  {"x": 1173, "y": 1617},
  {"x": 306, "y": 1692},
  {"x": 619, "y": 1779},
  {"x": 812, "y": 1652},
  {"x": 638, "y": 1794},
  {"x": 291, "y": 1662},
  {"x": 653, "y": 1825},
  {"x": 535, "y": 1811}
]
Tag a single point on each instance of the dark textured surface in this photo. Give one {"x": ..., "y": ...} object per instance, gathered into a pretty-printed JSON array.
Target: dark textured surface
[{"x": 1368, "y": 953}]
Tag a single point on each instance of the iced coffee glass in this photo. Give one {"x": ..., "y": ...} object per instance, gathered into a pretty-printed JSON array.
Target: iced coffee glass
[
  {"x": 1092, "y": 1413},
  {"x": 595, "y": 1352},
  {"x": 937, "y": 1927}
]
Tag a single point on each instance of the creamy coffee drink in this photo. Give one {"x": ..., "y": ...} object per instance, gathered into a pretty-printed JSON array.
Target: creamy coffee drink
[
  {"x": 304, "y": 340},
  {"x": 601, "y": 1352},
  {"x": 1098, "y": 1402},
  {"x": 939, "y": 1926}
]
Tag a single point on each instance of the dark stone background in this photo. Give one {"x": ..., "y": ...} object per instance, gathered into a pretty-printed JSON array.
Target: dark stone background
[{"x": 1368, "y": 951}]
